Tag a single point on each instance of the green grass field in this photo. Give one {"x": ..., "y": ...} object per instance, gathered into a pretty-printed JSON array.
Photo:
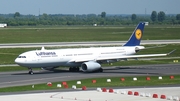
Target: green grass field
[
  {"x": 85, "y": 33},
  {"x": 76, "y": 34}
]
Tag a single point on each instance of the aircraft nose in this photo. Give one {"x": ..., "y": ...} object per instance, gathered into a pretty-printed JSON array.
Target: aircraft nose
[{"x": 16, "y": 60}]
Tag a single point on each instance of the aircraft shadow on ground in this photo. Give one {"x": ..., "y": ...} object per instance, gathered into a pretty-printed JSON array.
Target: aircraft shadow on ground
[
  {"x": 119, "y": 70},
  {"x": 47, "y": 72},
  {"x": 136, "y": 70}
]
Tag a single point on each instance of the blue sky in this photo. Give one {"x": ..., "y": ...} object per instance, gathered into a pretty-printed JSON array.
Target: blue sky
[{"x": 89, "y": 6}]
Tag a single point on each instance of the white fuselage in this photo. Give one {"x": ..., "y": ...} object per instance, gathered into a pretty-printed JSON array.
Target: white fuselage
[{"x": 69, "y": 57}]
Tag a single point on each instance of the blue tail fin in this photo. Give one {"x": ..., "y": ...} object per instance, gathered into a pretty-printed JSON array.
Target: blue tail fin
[{"x": 136, "y": 36}]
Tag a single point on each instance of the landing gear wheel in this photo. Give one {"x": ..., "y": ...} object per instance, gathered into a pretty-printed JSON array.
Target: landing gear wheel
[
  {"x": 30, "y": 71},
  {"x": 100, "y": 70},
  {"x": 74, "y": 69},
  {"x": 70, "y": 69}
]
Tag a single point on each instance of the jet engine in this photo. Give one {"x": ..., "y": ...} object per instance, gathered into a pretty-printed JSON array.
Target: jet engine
[{"x": 90, "y": 66}]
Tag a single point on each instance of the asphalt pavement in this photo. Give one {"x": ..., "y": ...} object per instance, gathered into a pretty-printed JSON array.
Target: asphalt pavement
[{"x": 8, "y": 79}]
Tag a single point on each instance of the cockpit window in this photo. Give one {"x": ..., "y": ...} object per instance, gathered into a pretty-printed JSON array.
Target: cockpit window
[{"x": 21, "y": 56}]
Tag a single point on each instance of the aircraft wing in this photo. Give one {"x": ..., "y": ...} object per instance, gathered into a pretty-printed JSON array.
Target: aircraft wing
[
  {"x": 118, "y": 57},
  {"x": 129, "y": 56},
  {"x": 133, "y": 56}
]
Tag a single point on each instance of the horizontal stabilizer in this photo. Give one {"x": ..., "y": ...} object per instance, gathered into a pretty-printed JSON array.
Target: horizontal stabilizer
[{"x": 171, "y": 52}]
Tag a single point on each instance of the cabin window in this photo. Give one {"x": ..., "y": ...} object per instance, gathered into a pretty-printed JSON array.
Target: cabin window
[{"x": 21, "y": 56}]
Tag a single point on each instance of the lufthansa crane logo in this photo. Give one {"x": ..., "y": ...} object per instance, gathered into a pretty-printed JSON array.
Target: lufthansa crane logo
[{"x": 138, "y": 34}]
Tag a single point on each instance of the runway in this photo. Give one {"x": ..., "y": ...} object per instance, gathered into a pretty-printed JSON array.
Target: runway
[
  {"x": 94, "y": 43},
  {"x": 8, "y": 79}
]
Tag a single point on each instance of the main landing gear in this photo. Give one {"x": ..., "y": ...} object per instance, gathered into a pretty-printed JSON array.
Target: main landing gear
[
  {"x": 74, "y": 69},
  {"x": 100, "y": 70},
  {"x": 30, "y": 71}
]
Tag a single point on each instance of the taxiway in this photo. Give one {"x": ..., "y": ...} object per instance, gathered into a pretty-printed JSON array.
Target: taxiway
[{"x": 8, "y": 79}]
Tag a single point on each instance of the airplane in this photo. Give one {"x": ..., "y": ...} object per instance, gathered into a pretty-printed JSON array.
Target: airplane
[{"x": 86, "y": 59}]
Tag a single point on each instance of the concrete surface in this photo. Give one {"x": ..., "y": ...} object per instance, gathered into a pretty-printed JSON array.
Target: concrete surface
[{"x": 145, "y": 94}]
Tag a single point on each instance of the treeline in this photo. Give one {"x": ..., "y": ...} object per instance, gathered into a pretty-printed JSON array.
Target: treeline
[{"x": 17, "y": 19}]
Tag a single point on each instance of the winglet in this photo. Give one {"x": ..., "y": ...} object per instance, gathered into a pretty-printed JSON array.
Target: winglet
[
  {"x": 171, "y": 52},
  {"x": 136, "y": 36}
]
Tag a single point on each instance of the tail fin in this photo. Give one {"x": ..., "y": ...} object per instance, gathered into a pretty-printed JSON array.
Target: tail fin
[{"x": 136, "y": 36}]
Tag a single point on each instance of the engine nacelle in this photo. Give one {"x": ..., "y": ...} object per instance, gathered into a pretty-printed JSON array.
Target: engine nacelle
[{"x": 90, "y": 66}]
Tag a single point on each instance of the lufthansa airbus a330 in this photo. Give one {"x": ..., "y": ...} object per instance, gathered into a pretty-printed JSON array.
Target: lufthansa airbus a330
[{"x": 86, "y": 59}]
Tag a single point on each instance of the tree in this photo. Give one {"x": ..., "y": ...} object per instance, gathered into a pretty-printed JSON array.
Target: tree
[
  {"x": 133, "y": 17},
  {"x": 154, "y": 16},
  {"x": 178, "y": 17},
  {"x": 161, "y": 16},
  {"x": 103, "y": 14},
  {"x": 17, "y": 14},
  {"x": 44, "y": 16}
]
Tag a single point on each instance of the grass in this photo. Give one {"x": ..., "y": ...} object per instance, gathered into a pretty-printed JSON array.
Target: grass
[
  {"x": 76, "y": 34},
  {"x": 101, "y": 82},
  {"x": 82, "y": 33},
  {"x": 13, "y": 68},
  {"x": 106, "y": 33}
]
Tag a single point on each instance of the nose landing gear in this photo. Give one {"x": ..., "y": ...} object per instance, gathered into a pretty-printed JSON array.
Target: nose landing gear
[{"x": 30, "y": 71}]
